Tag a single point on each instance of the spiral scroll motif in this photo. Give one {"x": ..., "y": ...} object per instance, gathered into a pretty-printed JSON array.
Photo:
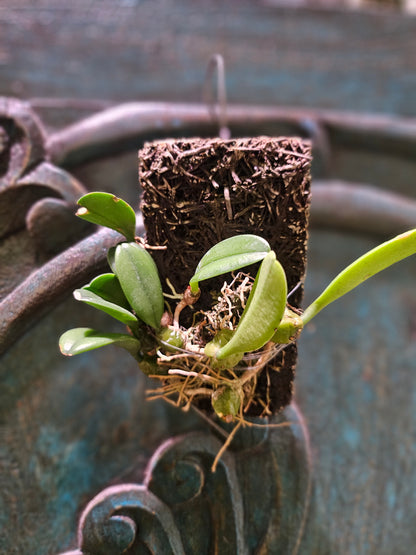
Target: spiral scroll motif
[
  {"x": 34, "y": 194},
  {"x": 258, "y": 500},
  {"x": 123, "y": 519}
]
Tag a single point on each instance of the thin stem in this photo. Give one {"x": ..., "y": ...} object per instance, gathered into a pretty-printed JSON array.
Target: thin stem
[{"x": 179, "y": 307}]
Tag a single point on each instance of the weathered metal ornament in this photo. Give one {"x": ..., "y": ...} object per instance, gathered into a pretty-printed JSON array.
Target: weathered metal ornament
[{"x": 182, "y": 507}]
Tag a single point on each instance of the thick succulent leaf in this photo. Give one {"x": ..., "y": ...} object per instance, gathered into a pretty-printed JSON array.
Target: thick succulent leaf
[
  {"x": 114, "y": 310},
  {"x": 264, "y": 310},
  {"x": 139, "y": 280},
  {"x": 110, "y": 211},
  {"x": 80, "y": 340},
  {"x": 228, "y": 255},
  {"x": 108, "y": 288},
  {"x": 366, "y": 266}
]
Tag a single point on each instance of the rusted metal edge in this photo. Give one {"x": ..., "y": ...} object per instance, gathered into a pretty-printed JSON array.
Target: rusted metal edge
[
  {"x": 44, "y": 288},
  {"x": 114, "y": 125}
]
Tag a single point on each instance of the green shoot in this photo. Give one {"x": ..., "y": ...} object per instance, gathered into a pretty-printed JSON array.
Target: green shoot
[{"x": 109, "y": 211}]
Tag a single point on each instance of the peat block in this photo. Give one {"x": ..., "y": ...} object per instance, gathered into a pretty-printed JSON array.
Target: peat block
[{"x": 196, "y": 192}]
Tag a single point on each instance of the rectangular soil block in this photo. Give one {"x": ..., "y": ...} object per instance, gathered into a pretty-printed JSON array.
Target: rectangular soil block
[{"x": 197, "y": 192}]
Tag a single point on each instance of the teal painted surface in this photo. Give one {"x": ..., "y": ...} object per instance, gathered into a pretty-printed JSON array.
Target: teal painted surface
[
  {"x": 71, "y": 426},
  {"x": 76, "y": 426},
  {"x": 182, "y": 507},
  {"x": 356, "y": 385}
]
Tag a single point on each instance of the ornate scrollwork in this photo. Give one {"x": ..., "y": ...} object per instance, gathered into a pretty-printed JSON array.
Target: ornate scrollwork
[
  {"x": 258, "y": 500},
  {"x": 125, "y": 518},
  {"x": 34, "y": 194}
]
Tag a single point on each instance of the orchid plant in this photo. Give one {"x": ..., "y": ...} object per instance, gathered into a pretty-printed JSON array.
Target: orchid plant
[{"x": 220, "y": 355}]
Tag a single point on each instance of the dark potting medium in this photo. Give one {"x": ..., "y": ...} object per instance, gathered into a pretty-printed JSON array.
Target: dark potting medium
[{"x": 196, "y": 192}]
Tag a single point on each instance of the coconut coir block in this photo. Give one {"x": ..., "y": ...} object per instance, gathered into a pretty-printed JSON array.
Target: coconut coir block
[{"x": 196, "y": 192}]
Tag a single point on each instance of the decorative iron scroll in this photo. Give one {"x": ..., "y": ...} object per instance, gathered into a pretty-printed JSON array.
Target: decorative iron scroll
[
  {"x": 258, "y": 500},
  {"x": 34, "y": 194}
]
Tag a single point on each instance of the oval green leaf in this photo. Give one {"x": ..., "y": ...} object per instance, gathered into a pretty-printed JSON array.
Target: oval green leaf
[
  {"x": 366, "y": 266},
  {"x": 228, "y": 255},
  {"x": 110, "y": 211},
  {"x": 112, "y": 309},
  {"x": 264, "y": 310},
  {"x": 108, "y": 288},
  {"x": 80, "y": 340},
  {"x": 139, "y": 280}
]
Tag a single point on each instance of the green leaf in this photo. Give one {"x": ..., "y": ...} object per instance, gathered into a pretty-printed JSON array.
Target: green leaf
[
  {"x": 114, "y": 310},
  {"x": 366, "y": 266},
  {"x": 108, "y": 288},
  {"x": 263, "y": 312},
  {"x": 110, "y": 211},
  {"x": 80, "y": 340},
  {"x": 139, "y": 280},
  {"x": 228, "y": 255}
]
